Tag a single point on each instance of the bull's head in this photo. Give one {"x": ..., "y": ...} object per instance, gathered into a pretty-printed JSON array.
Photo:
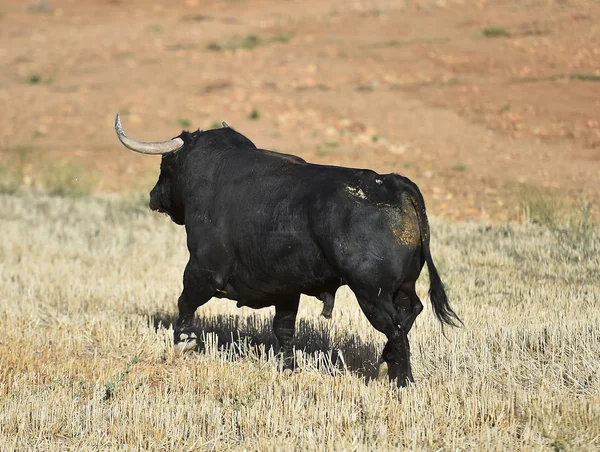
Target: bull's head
[{"x": 163, "y": 197}]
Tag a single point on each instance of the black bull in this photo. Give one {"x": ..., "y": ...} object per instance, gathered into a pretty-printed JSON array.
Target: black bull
[{"x": 264, "y": 228}]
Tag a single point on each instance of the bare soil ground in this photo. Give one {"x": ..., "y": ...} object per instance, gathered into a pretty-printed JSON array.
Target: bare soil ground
[{"x": 477, "y": 102}]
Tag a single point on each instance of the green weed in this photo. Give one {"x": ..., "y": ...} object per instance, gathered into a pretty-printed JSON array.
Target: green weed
[
  {"x": 184, "y": 123},
  {"x": 408, "y": 42},
  {"x": 111, "y": 386},
  {"x": 37, "y": 79},
  {"x": 585, "y": 77},
  {"x": 280, "y": 38},
  {"x": 254, "y": 114},
  {"x": 34, "y": 79},
  {"x": 495, "y": 32},
  {"x": 196, "y": 18},
  {"x": 248, "y": 42},
  {"x": 574, "y": 76}
]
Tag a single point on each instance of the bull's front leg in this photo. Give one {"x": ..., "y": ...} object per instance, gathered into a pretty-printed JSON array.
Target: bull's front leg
[
  {"x": 197, "y": 290},
  {"x": 284, "y": 327}
]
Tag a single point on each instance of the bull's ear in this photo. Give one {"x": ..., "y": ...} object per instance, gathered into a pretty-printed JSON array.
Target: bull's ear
[
  {"x": 225, "y": 125},
  {"x": 156, "y": 147}
]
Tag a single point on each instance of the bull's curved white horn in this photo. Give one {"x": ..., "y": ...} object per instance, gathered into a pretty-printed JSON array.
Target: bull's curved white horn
[{"x": 156, "y": 147}]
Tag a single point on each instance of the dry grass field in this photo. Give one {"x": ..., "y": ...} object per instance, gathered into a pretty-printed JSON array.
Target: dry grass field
[{"x": 87, "y": 294}]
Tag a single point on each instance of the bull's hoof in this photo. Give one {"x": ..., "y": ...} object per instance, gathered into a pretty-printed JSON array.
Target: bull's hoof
[
  {"x": 185, "y": 343},
  {"x": 327, "y": 312},
  {"x": 392, "y": 374},
  {"x": 403, "y": 383}
]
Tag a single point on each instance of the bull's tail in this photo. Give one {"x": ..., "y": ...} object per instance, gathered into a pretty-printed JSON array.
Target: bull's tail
[{"x": 437, "y": 293}]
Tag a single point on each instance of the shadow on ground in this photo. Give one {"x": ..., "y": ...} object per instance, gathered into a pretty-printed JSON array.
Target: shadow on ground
[{"x": 241, "y": 336}]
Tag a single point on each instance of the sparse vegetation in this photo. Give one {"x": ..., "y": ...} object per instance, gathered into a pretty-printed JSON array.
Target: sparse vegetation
[
  {"x": 321, "y": 151},
  {"x": 12, "y": 168},
  {"x": 154, "y": 28},
  {"x": 326, "y": 148},
  {"x": 184, "y": 123},
  {"x": 37, "y": 79},
  {"x": 34, "y": 79},
  {"x": 40, "y": 7},
  {"x": 248, "y": 42},
  {"x": 495, "y": 32},
  {"x": 461, "y": 168},
  {"x": 197, "y": 17},
  {"x": 575, "y": 76},
  {"x": 542, "y": 207},
  {"x": 111, "y": 385},
  {"x": 254, "y": 114},
  {"x": 408, "y": 42},
  {"x": 65, "y": 178},
  {"x": 10, "y": 180},
  {"x": 584, "y": 77},
  {"x": 86, "y": 359},
  {"x": 280, "y": 38}
]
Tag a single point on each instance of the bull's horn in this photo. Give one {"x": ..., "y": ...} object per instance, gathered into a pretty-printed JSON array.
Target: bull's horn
[{"x": 156, "y": 147}]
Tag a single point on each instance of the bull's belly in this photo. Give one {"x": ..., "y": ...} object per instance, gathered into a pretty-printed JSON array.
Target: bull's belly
[
  {"x": 258, "y": 291},
  {"x": 269, "y": 267}
]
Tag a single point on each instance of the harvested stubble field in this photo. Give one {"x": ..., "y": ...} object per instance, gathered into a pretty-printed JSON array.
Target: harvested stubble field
[{"x": 87, "y": 294}]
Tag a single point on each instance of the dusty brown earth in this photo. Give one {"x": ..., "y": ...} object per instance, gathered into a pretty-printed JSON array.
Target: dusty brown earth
[{"x": 477, "y": 102}]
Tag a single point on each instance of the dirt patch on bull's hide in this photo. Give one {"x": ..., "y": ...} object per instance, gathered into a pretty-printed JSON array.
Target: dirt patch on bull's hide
[{"x": 471, "y": 101}]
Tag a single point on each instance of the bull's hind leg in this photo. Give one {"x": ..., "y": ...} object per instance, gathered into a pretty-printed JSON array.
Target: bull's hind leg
[
  {"x": 408, "y": 305},
  {"x": 284, "y": 327},
  {"x": 197, "y": 290},
  {"x": 395, "y": 359}
]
